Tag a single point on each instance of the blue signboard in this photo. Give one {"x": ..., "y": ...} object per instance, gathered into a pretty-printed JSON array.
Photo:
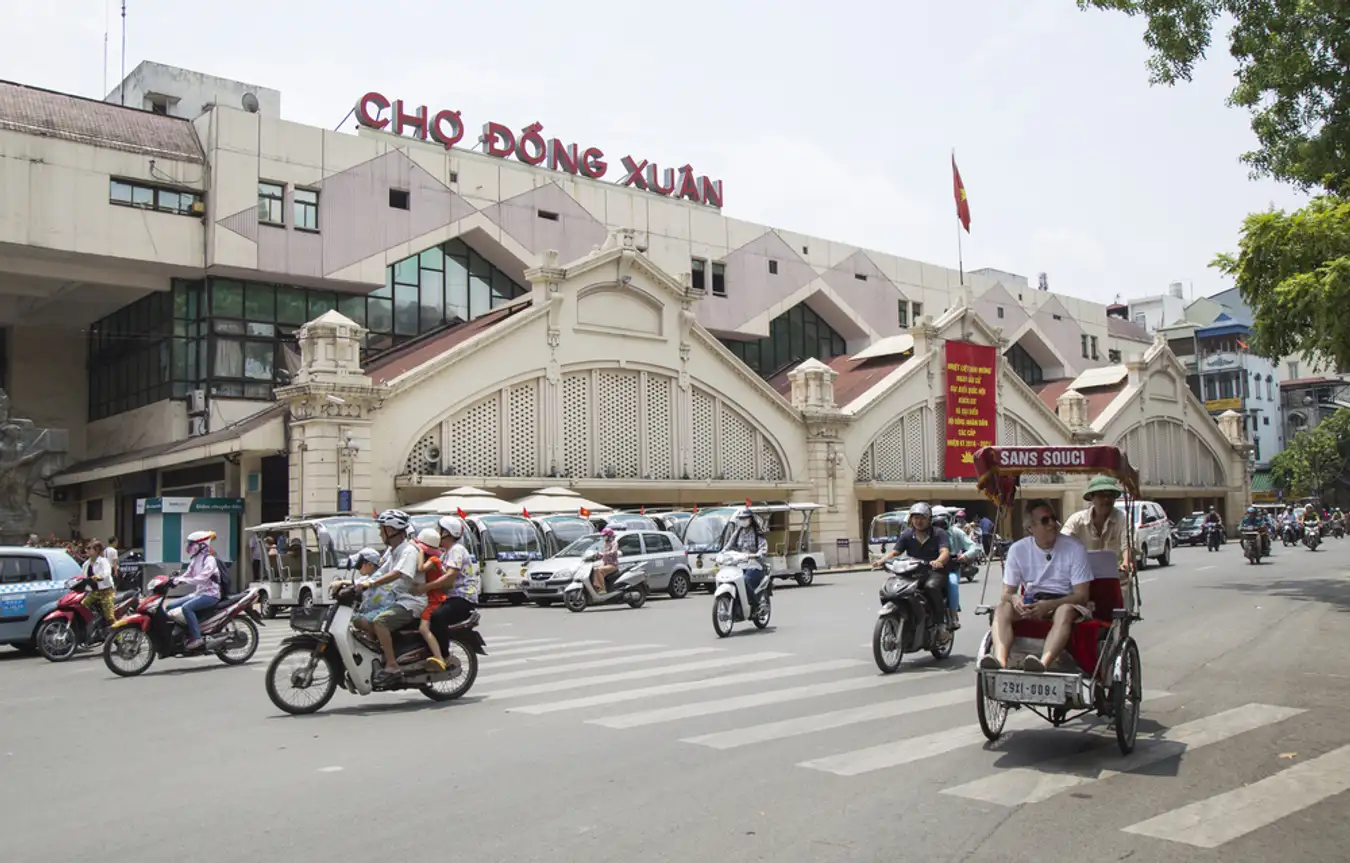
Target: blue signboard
[{"x": 344, "y": 500}]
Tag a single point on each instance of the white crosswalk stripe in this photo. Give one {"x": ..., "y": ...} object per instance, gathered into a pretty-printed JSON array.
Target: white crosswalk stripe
[
  {"x": 592, "y": 664},
  {"x": 642, "y": 673},
  {"x": 612, "y": 650},
  {"x": 566, "y": 646}
]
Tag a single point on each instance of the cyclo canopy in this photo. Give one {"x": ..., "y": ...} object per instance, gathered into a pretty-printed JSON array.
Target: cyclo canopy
[{"x": 1000, "y": 468}]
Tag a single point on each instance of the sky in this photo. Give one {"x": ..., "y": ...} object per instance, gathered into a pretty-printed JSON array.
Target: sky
[{"x": 836, "y": 120}]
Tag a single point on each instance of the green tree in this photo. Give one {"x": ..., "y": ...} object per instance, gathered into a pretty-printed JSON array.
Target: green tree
[
  {"x": 1293, "y": 76},
  {"x": 1316, "y": 459}
]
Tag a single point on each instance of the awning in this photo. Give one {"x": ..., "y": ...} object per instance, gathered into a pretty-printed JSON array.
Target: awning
[
  {"x": 1262, "y": 481},
  {"x": 265, "y": 431}
]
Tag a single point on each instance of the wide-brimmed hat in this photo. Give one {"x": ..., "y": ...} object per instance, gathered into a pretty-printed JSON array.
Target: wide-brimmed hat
[{"x": 1102, "y": 483}]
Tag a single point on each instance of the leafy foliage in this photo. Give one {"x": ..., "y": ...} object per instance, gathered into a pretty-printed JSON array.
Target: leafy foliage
[
  {"x": 1316, "y": 459},
  {"x": 1293, "y": 270},
  {"x": 1293, "y": 75}
]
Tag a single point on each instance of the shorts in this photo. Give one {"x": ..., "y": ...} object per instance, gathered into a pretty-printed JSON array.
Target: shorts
[
  {"x": 393, "y": 618},
  {"x": 433, "y": 603},
  {"x": 1084, "y": 611}
]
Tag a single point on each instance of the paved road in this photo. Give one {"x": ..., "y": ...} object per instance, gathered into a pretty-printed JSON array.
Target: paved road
[{"x": 620, "y": 735}]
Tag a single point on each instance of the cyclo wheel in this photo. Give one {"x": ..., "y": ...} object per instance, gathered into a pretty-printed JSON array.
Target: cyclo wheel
[
  {"x": 993, "y": 714},
  {"x": 1126, "y": 695}
]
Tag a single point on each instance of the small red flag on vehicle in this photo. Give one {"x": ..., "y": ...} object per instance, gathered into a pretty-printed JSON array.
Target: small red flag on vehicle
[
  {"x": 585, "y": 513},
  {"x": 459, "y": 511}
]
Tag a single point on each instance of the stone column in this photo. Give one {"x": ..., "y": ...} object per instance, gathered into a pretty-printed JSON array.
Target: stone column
[
  {"x": 828, "y": 471},
  {"x": 330, "y": 404}
]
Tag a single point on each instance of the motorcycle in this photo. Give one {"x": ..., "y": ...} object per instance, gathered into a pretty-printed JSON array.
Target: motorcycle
[
  {"x": 907, "y": 620},
  {"x": 627, "y": 585},
  {"x": 72, "y": 626},
  {"x": 1338, "y": 529},
  {"x": 229, "y": 630},
  {"x": 1213, "y": 536},
  {"x": 1312, "y": 537},
  {"x": 730, "y": 599},
  {"x": 1289, "y": 535},
  {"x": 326, "y": 642},
  {"x": 970, "y": 567},
  {"x": 1252, "y": 546}
]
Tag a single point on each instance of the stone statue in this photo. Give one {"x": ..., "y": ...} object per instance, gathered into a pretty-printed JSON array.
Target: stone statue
[{"x": 27, "y": 455}]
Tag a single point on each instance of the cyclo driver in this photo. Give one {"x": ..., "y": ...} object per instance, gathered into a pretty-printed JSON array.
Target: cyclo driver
[
  {"x": 399, "y": 570},
  {"x": 932, "y": 545}
]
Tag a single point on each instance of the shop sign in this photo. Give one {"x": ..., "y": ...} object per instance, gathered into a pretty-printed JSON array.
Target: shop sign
[
  {"x": 1216, "y": 362},
  {"x": 531, "y": 147},
  {"x": 971, "y": 405},
  {"x": 182, "y": 505},
  {"x": 1223, "y": 405}
]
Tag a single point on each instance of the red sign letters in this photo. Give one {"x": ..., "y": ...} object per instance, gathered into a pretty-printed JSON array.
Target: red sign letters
[
  {"x": 971, "y": 405},
  {"x": 529, "y": 146}
]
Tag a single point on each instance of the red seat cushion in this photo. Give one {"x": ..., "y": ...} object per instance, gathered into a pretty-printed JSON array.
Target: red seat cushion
[{"x": 1105, "y": 596}]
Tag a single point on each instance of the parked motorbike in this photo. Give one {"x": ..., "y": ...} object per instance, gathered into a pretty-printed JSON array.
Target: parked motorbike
[
  {"x": 624, "y": 585},
  {"x": 730, "y": 599},
  {"x": 1252, "y": 546},
  {"x": 326, "y": 650},
  {"x": 1213, "y": 536},
  {"x": 229, "y": 630},
  {"x": 72, "y": 626},
  {"x": 907, "y": 621},
  {"x": 1312, "y": 538}
]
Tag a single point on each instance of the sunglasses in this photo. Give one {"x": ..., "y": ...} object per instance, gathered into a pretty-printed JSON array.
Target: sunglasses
[{"x": 1045, "y": 520}]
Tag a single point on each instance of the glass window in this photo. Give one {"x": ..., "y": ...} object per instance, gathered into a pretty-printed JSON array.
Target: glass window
[
  {"x": 353, "y": 308},
  {"x": 502, "y": 288},
  {"x": 290, "y": 305},
  {"x": 719, "y": 280},
  {"x": 141, "y": 196},
  {"x": 227, "y": 298},
  {"x": 260, "y": 302},
  {"x": 320, "y": 303},
  {"x": 380, "y": 315},
  {"x": 271, "y": 199},
  {"x": 307, "y": 209},
  {"x": 794, "y": 336},
  {"x": 120, "y": 192},
  {"x": 405, "y": 310},
  {"x": 904, "y": 314},
  {"x": 457, "y": 287},
  {"x": 258, "y": 360},
  {"x": 229, "y": 359},
  {"x": 405, "y": 271},
  {"x": 433, "y": 300}
]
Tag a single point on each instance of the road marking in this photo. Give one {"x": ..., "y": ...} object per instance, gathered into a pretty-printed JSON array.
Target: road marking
[
  {"x": 544, "y": 648},
  {"x": 601, "y": 680},
  {"x": 762, "y": 699},
  {"x": 1021, "y": 785},
  {"x": 913, "y": 749},
  {"x": 612, "y": 650},
  {"x": 330, "y": 769},
  {"x": 541, "y": 671},
  {"x": 1205, "y": 568},
  {"x": 1148, "y": 580},
  {"x": 835, "y": 719},
  {"x": 748, "y": 678},
  {"x": 1225, "y": 817}
]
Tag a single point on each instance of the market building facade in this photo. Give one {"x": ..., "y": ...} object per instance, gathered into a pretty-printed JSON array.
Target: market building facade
[{"x": 240, "y": 307}]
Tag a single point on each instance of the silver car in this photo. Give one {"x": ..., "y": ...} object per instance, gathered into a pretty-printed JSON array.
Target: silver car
[{"x": 661, "y": 551}]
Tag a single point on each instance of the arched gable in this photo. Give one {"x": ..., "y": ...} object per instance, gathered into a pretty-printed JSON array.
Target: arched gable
[
  {"x": 1166, "y": 451},
  {"x": 606, "y": 421}
]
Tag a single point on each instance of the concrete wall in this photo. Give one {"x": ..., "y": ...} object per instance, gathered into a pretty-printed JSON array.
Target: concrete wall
[{"x": 190, "y": 94}]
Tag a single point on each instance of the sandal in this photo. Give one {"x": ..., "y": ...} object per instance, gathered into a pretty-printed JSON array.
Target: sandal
[{"x": 434, "y": 664}]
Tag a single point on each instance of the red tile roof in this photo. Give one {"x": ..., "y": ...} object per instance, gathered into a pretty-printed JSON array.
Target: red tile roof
[
  {"x": 33, "y": 111},
  {"x": 1099, "y": 398},
  {"x": 412, "y": 354},
  {"x": 855, "y": 377}
]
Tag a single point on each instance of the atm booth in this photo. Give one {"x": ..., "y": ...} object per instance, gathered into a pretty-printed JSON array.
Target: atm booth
[{"x": 170, "y": 520}]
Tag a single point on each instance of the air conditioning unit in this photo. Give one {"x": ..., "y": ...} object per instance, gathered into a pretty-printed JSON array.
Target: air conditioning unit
[
  {"x": 215, "y": 489},
  {"x": 196, "y": 402},
  {"x": 196, "y": 426}
]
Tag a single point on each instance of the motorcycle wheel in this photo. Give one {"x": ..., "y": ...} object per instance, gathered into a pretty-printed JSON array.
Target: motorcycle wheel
[
  {"x": 449, "y": 690},
  {"x": 636, "y": 597},
  {"x": 763, "y": 611},
  {"x": 57, "y": 640},
  {"x": 722, "y": 617},
  {"x": 575, "y": 601},
  {"x": 125, "y": 637},
  {"x": 886, "y": 636},
  {"x": 314, "y": 663},
  {"x": 942, "y": 651},
  {"x": 242, "y": 654}
]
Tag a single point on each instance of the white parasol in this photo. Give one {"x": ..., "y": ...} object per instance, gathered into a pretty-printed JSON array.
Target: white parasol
[
  {"x": 473, "y": 501},
  {"x": 555, "y": 500}
]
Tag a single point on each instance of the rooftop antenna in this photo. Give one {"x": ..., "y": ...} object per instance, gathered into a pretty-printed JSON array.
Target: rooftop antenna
[
  {"x": 105, "y": 48},
  {"x": 123, "y": 86}
]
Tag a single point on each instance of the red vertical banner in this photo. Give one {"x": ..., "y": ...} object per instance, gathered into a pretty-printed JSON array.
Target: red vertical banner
[{"x": 972, "y": 416}]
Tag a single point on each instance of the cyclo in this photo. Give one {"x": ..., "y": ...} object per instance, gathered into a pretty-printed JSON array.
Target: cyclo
[{"x": 1099, "y": 671}]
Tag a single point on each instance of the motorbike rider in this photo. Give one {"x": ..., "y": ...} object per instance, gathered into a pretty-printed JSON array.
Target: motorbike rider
[
  {"x": 749, "y": 539},
  {"x": 609, "y": 560},
  {"x": 459, "y": 581},
  {"x": 1310, "y": 520},
  {"x": 964, "y": 552},
  {"x": 1254, "y": 520},
  {"x": 399, "y": 572},
  {"x": 203, "y": 573},
  {"x": 922, "y": 541},
  {"x": 100, "y": 596}
]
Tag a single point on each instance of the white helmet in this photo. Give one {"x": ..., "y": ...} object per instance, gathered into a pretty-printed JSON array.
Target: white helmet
[
  {"x": 744, "y": 515},
  {"x": 199, "y": 542},
  {"x": 396, "y": 519},
  {"x": 451, "y": 526},
  {"x": 429, "y": 536}
]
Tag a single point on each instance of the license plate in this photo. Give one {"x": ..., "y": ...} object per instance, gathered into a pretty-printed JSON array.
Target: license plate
[
  {"x": 1029, "y": 689},
  {"x": 12, "y": 606}
]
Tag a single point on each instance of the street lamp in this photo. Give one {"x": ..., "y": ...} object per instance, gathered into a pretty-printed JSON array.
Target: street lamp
[{"x": 1308, "y": 402}]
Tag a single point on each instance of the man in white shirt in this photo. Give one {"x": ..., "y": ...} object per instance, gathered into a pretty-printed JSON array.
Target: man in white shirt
[
  {"x": 1054, "y": 570},
  {"x": 110, "y": 553}
]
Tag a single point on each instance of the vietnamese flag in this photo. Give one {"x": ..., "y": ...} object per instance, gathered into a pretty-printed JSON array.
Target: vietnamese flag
[
  {"x": 525, "y": 512},
  {"x": 585, "y": 513},
  {"x": 959, "y": 190},
  {"x": 459, "y": 511}
]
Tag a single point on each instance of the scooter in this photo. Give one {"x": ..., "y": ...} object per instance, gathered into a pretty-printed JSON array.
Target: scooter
[
  {"x": 730, "y": 599},
  {"x": 1252, "y": 545},
  {"x": 1213, "y": 536},
  {"x": 229, "y": 630},
  {"x": 907, "y": 621},
  {"x": 623, "y": 585},
  {"x": 326, "y": 651},
  {"x": 73, "y": 626},
  {"x": 971, "y": 567},
  {"x": 1312, "y": 538}
]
